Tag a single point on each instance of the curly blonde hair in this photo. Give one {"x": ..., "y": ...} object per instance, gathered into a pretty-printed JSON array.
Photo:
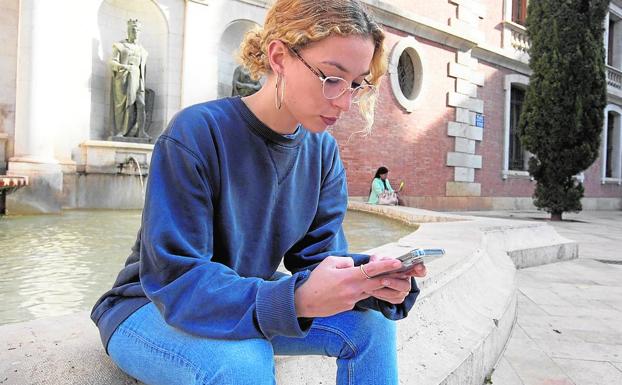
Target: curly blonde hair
[{"x": 300, "y": 22}]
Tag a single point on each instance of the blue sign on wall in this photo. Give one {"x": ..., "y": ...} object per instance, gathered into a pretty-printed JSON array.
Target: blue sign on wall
[{"x": 479, "y": 120}]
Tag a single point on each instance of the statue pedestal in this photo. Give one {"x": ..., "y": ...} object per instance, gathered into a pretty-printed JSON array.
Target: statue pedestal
[
  {"x": 110, "y": 175},
  {"x": 115, "y": 157},
  {"x": 124, "y": 139}
]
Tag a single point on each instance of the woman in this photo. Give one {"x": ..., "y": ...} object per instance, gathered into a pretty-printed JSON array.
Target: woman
[
  {"x": 236, "y": 186},
  {"x": 379, "y": 185}
]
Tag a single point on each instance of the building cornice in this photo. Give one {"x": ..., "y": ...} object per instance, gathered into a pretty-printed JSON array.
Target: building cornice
[
  {"x": 423, "y": 27},
  {"x": 499, "y": 57},
  {"x": 420, "y": 26}
]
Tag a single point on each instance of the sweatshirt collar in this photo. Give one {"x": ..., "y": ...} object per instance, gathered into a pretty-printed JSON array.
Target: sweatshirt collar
[{"x": 260, "y": 128}]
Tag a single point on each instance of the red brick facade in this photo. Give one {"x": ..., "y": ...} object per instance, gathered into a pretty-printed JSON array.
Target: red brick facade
[{"x": 415, "y": 146}]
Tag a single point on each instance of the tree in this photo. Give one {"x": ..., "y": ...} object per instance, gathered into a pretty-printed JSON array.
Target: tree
[{"x": 563, "y": 113}]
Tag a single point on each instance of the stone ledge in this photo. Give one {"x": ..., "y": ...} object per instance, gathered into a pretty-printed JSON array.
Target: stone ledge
[
  {"x": 459, "y": 159},
  {"x": 463, "y": 189},
  {"x": 454, "y": 334},
  {"x": 464, "y": 130},
  {"x": 101, "y": 157},
  {"x": 455, "y": 99}
]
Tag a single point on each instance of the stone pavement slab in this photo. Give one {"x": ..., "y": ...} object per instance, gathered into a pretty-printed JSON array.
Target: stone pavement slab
[
  {"x": 569, "y": 317},
  {"x": 584, "y": 372},
  {"x": 599, "y": 232},
  {"x": 578, "y": 344},
  {"x": 505, "y": 374},
  {"x": 530, "y": 363},
  {"x": 543, "y": 296}
]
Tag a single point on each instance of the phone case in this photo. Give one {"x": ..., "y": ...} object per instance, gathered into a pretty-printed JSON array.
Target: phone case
[{"x": 412, "y": 258}]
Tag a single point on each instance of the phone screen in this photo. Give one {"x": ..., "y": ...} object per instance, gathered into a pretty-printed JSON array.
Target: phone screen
[{"x": 414, "y": 257}]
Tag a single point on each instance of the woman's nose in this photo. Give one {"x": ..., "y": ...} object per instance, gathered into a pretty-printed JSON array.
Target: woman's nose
[{"x": 344, "y": 101}]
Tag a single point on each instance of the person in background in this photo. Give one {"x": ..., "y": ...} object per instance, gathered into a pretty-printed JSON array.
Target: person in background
[
  {"x": 381, "y": 191},
  {"x": 238, "y": 185}
]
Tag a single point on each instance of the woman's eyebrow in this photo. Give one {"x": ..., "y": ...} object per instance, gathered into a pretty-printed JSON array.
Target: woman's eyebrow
[{"x": 342, "y": 68}]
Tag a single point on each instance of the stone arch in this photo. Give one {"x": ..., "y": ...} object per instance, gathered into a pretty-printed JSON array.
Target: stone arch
[
  {"x": 613, "y": 108},
  {"x": 229, "y": 44}
]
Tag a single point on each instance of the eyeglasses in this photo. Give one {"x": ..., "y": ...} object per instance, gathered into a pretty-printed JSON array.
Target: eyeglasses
[{"x": 334, "y": 86}]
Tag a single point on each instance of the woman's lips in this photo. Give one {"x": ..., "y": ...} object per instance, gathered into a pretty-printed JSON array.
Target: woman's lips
[{"x": 328, "y": 121}]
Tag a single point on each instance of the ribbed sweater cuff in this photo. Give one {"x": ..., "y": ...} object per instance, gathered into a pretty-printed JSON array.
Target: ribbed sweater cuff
[{"x": 276, "y": 310}]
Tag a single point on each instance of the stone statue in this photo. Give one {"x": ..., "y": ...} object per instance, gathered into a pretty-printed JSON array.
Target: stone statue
[
  {"x": 128, "y": 99},
  {"x": 243, "y": 84}
]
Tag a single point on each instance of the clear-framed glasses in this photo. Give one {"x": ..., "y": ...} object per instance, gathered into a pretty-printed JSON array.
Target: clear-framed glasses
[{"x": 334, "y": 86}]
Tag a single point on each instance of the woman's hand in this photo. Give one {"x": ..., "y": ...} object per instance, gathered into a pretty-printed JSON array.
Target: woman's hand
[
  {"x": 397, "y": 285},
  {"x": 336, "y": 286}
]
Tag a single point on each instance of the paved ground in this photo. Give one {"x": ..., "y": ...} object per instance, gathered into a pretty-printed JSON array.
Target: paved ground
[{"x": 569, "y": 328}]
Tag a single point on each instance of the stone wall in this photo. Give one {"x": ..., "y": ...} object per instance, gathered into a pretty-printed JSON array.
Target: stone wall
[{"x": 8, "y": 68}]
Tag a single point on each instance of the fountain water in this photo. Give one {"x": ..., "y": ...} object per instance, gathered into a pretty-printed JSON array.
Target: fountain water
[
  {"x": 59, "y": 264},
  {"x": 132, "y": 159}
]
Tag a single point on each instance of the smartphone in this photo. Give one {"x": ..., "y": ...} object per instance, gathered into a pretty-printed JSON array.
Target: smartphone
[{"x": 412, "y": 258}]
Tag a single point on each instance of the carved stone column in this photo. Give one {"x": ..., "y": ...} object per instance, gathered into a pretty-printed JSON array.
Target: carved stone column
[{"x": 34, "y": 137}]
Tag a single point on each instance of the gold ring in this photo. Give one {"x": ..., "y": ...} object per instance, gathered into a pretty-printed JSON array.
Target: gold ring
[{"x": 364, "y": 272}]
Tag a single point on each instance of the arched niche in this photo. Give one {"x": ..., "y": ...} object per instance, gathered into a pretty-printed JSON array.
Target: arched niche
[
  {"x": 112, "y": 19},
  {"x": 228, "y": 51}
]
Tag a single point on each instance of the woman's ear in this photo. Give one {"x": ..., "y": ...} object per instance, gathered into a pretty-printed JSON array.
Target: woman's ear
[{"x": 277, "y": 52}]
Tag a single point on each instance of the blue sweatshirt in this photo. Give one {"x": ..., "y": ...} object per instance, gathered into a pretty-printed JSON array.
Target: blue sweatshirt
[{"x": 227, "y": 200}]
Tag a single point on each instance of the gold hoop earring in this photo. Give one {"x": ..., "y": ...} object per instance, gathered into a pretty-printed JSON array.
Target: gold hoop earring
[{"x": 278, "y": 102}]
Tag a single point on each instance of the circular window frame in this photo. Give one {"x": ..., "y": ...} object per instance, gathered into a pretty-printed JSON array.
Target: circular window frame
[{"x": 410, "y": 47}]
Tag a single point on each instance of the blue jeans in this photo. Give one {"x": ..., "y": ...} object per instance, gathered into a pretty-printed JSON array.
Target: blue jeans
[{"x": 148, "y": 349}]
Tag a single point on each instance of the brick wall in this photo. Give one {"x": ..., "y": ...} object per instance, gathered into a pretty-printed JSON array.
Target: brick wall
[
  {"x": 491, "y": 147},
  {"x": 413, "y": 146}
]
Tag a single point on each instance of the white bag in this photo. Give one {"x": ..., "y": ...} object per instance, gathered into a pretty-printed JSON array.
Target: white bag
[{"x": 387, "y": 198}]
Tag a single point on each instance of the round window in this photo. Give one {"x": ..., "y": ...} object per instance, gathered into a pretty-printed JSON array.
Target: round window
[
  {"x": 406, "y": 69},
  {"x": 406, "y": 74}
]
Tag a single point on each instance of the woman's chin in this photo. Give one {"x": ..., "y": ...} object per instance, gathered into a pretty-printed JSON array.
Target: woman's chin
[
  {"x": 317, "y": 124},
  {"x": 315, "y": 127}
]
